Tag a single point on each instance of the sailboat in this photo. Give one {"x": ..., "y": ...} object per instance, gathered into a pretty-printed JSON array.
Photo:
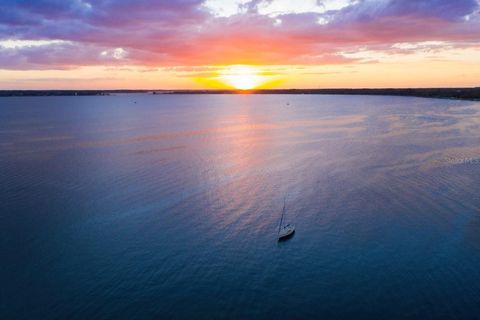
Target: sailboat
[{"x": 287, "y": 230}]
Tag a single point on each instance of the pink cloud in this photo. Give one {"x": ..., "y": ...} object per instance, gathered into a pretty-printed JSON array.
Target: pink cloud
[{"x": 172, "y": 33}]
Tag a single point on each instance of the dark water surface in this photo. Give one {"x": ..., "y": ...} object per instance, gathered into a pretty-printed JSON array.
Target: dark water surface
[{"x": 167, "y": 207}]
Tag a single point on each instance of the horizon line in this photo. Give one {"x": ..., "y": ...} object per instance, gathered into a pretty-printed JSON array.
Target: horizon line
[{"x": 243, "y": 90}]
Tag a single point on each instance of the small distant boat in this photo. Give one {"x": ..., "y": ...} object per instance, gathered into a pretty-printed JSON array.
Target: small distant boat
[{"x": 287, "y": 230}]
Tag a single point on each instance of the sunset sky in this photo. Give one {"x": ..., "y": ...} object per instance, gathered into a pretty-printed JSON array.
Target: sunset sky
[{"x": 196, "y": 44}]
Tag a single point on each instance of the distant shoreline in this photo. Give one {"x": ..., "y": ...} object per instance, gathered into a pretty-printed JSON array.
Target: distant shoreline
[{"x": 444, "y": 93}]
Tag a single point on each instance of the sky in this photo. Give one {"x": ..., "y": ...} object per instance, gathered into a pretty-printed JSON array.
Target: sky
[{"x": 243, "y": 44}]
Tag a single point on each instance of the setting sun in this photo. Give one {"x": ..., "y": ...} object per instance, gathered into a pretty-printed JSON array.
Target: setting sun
[{"x": 242, "y": 77}]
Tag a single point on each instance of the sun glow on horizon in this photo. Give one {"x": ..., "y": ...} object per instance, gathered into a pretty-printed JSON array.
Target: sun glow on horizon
[{"x": 242, "y": 77}]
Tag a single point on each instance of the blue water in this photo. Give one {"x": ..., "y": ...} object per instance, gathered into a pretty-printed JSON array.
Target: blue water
[{"x": 167, "y": 207}]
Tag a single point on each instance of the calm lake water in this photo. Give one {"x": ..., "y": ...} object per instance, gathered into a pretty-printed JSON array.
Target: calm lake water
[{"x": 167, "y": 207}]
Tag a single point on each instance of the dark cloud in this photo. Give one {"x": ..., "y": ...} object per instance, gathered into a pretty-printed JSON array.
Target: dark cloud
[
  {"x": 438, "y": 9},
  {"x": 443, "y": 9}
]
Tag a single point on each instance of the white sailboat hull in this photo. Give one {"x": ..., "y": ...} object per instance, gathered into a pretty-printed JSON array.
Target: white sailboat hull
[{"x": 286, "y": 231}]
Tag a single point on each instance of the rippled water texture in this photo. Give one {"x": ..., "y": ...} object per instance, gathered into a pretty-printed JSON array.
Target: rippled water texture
[{"x": 167, "y": 207}]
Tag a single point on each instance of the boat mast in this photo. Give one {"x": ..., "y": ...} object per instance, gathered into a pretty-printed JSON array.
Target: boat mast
[{"x": 283, "y": 212}]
